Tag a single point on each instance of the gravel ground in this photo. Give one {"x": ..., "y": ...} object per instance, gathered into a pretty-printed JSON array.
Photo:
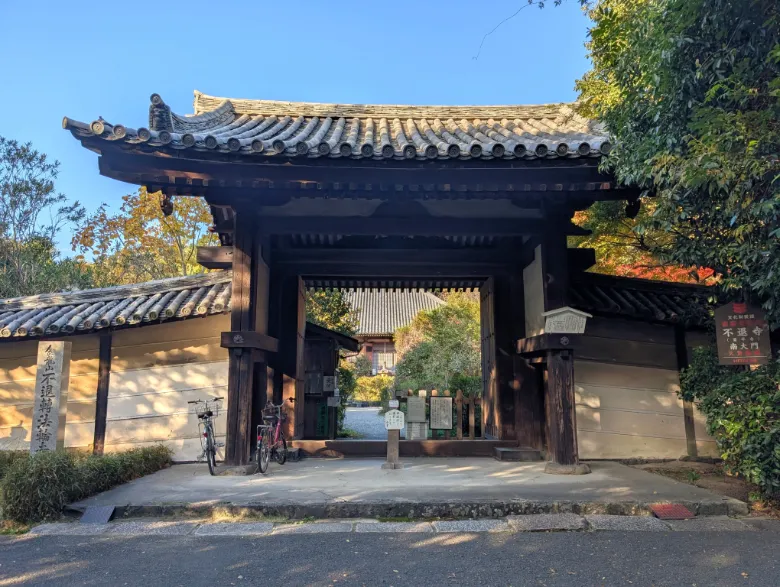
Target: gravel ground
[{"x": 367, "y": 422}]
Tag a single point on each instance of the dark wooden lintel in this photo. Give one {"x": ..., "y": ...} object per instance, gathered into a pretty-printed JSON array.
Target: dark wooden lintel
[
  {"x": 215, "y": 257},
  {"x": 249, "y": 340},
  {"x": 439, "y": 226},
  {"x": 374, "y": 257},
  {"x": 542, "y": 343}
]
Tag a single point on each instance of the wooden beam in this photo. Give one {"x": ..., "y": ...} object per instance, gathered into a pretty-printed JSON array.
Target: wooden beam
[
  {"x": 389, "y": 226},
  {"x": 197, "y": 173},
  {"x": 681, "y": 349},
  {"x": 215, "y": 257},
  {"x": 249, "y": 340},
  {"x": 546, "y": 342},
  {"x": 393, "y": 270},
  {"x": 101, "y": 401},
  {"x": 373, "y": 257}
]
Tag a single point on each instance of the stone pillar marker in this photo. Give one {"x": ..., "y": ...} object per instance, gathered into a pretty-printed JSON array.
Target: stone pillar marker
[
  {"x": 394, "y": 422},
  {"x": 51, "y": 396}
]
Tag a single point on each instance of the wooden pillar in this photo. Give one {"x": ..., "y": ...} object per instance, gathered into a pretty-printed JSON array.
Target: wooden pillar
[
  {"x": 249, "y": 307},
  {"x": 681, "y": 348},
  {"x": 288, "y": 303},
  {"x": 491, "y": 414},
  {"x": 101, "y": 401},
  {"x": 562, "y": 454},
  {"x": 561, "y": 418}
]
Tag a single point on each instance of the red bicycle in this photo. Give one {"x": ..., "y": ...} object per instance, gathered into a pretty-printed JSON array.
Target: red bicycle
[{"x": 270, "y": 437}]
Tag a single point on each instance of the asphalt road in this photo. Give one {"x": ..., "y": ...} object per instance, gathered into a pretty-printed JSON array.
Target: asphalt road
[{"x": 548, "y": 559}]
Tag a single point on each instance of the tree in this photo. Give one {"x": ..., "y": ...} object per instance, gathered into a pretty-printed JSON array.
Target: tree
[
  {"x": 140, "y": 243},
  {"x": 440, "y": 348},
  {"x": 330, "y": 309},
  {"x": 690, "y": 92},
  {"x": 32, "y": 213},
  {"x": 624, "y": 250}
]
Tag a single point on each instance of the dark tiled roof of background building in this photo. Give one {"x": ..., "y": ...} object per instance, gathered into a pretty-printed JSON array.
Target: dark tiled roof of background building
[
  {"x": 381, "y": 312},
  {"x": 359, "y": 131}
]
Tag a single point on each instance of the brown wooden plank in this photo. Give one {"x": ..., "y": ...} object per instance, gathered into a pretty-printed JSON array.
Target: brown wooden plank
[
  {"x": 459, "y": 414},
  {"x": 101, "y": 401},
  {"x": 625, "y": 352}
]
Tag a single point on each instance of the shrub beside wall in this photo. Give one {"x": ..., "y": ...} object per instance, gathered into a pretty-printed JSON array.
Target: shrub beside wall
[
  {"x": 742, "y": 408},
  {"x": 38, "y": 487}
]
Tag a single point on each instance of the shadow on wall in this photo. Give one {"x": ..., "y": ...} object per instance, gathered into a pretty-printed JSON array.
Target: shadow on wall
[{"x": 16, "y": 440}]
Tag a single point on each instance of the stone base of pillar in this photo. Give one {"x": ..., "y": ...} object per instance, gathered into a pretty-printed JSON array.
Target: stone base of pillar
[
  {"x": 392, "y": 466},
  {"x": 236, "y": 470},
  {"x": 556, "y": 469}
]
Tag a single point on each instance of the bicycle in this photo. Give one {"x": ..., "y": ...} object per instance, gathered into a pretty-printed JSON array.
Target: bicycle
[
  {"x": 266, "y": 447},
  {"x": 206, "y": 411}
]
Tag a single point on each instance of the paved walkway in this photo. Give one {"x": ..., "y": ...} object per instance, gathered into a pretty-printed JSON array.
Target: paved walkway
[
  {"x": 426, "y": 487},
  {"x": 366, "y": 422}
]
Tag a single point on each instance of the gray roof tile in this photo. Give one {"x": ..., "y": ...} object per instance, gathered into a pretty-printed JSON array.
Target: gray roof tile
[
  {"x": 381, "y": 312},
  {"x": 361, "y": 131}
]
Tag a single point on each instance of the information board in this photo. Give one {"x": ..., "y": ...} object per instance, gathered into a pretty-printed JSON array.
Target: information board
[
  {"x": 394, "y": 420},
  {"x": 742, "y": 332},
  {"x": 441, "y": 413},
  {"x": 415, "y": 409}
]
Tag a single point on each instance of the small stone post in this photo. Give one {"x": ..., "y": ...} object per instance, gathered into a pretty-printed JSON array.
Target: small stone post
[
  {"x": 394, "y": 422},
  {"x": 51, "y": 396}
]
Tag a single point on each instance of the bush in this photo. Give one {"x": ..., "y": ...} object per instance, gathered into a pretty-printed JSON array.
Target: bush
[
  {"x": 374, "y": 389},
  {"x": 8, "y": 458},
  {"x": 38, "y": 487},
  {"x": 743, "y": 415}
]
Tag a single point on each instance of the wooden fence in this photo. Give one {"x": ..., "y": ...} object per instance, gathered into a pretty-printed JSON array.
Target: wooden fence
[{"x": 464, "y": 417}]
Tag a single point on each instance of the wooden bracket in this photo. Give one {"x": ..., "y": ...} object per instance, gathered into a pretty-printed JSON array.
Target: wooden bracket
[{"x": 249, "y": 340}]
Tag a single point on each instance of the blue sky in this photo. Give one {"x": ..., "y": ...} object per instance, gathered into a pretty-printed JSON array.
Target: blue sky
[{"x": 88, "y": 59}]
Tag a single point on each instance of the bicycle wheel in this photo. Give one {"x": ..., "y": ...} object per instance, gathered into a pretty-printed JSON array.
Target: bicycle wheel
[
  {"x": 281, "y": 451},
  {"x": 211, "y": 452},
  {"x": 263, "y": 454}
]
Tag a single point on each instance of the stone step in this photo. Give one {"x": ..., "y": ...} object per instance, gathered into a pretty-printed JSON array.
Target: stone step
[{"x": 501, "y": 453}]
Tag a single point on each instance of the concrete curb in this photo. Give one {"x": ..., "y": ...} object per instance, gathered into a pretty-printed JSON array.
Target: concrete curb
[{"x": 420, "y": 510}]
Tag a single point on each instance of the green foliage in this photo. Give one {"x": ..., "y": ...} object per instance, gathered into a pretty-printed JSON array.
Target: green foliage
[
  {"x": 374, "y": 389},
  {"x": 690, "y": 92},
  {"x": 38, "y": 487},
  {"x": 8, "y": 458},
  {"x": 330, "y": 309},
  {"x": 32, "y": 214},
  {"x": 347, "y": 386},
  {"x": 742, "y": 408},
  {"x": 362, "y": 366},
  {"x": 440, "y": 348}
]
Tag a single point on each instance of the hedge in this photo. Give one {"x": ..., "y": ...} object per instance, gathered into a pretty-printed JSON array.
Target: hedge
[
  {"x": 39, "y": 486},
  {"x": 743, "y": 415}
]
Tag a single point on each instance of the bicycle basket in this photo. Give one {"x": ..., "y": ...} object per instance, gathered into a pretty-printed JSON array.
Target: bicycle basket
[{"x": 209, "y": 408}]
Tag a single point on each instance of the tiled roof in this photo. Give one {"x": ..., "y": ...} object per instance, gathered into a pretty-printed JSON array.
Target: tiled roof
[
  {"x": 359, "y": 131},
  {"x": 381, "y": 312},
  {"x": 642, "y": 299},
  {"x": 115, "y": 307}
]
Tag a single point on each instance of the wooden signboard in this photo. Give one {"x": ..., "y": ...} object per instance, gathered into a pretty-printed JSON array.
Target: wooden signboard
[
  {"x": 394, "y": 420},
  {"x": 441, "y": 413},
  {"x": 742, "y": 332}
]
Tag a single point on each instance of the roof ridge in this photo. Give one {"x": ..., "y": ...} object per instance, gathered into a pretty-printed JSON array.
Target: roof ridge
[{"x": 203, "y": 103}]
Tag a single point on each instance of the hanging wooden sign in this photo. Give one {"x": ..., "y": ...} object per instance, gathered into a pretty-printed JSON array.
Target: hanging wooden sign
[{"x": 742, "y": 332}]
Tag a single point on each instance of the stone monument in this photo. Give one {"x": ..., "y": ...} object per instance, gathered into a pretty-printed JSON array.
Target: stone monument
[{"x": 51, "y": 396}]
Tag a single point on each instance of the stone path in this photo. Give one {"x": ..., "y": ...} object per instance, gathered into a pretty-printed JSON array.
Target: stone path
[
  {"x": 510, "y": 524},
  {"x": 366, "y": 422}
]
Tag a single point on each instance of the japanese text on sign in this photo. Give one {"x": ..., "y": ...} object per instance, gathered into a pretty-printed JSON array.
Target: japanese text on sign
[
  {"x": 742, "y": 334},
  {"x": 394, "y": 420}
]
